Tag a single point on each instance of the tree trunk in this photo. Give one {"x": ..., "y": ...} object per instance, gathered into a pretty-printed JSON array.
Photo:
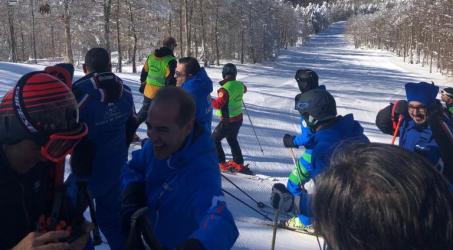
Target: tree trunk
[
  {"x": 107, "y": 9},
  {"x": 13, "y": 44},
  {"x": 118, "y": 37},
  {"x": 134, "y": 37},
  {"x": 204, "y": 48},
  {"x": 67, "y": 32},
  {"x": 169, "y": 18},
  {"x": 181, "y": 44},
  {"x": 33, "y": 37},
  {"x": 52, "y": 37},
  {"x": 216, "y": 33},
  {"x": 187, "y": 28}
]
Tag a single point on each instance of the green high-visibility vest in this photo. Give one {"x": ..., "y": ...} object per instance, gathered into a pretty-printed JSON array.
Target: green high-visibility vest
[
  {"x": 235, "y": 91},
  {"x": 450, "y": 109},
  {"x": 156, "y": 69}
]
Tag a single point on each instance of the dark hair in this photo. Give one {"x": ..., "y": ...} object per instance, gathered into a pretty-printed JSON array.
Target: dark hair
[
  {"x": 192, "y": 65},
  {"x": 186, "y": 103},
  {"x": 98, "y": 60},
  {"x": 169, "y": 42},
  {"x": 377, "y": 196}
]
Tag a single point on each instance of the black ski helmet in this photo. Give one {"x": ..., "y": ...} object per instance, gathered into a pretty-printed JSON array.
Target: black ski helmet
[
  {"x": 316, "y": 106},
  {"x": 306, "y": 79},
  {"x": 38, "y": 106},
  {"x": 229, "y": 69}
]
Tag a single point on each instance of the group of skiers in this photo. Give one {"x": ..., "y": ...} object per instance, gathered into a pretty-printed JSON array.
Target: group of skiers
[{"x": 177, "y": 173}]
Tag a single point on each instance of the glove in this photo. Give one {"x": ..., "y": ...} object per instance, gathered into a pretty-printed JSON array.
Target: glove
[
  {"x": 281, "y": 198},
  {"x": 82, "y": 158},
  {"x": 132, "y": 198},
  {"x": 142, "y": 87},
  {"x": 191, "y": 244},
  {"x": 288, "y": 141},
  {"x": 435, "y": 110},
  {"x": 400, "y": 109}
]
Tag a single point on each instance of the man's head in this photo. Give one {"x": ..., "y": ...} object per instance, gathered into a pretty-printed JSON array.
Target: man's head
[
  {"x": 306, "y": 79},
  {"x": 378, "y": 196},
  {"x": 97, "y": 60},
  {"x": 419, "y": 97},
  {"x": 446, "y": 95},
  {"x": 229, "y": 71},
  {"x": 170, "y": 120},
  {"x": 39, "y": 120},
  {"x": 169, "y": 42},
  {"x": 186, "y": 68},
  {"x": 316, "y": 107}
]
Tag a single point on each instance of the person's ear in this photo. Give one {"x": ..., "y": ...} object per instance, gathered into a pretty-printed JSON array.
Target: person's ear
[
  {"x": 189, "y": 127},
  {"x": 84, "y": 67}
]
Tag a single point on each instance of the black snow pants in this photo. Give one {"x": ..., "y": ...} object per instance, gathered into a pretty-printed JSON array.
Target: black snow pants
[{"x": 228, "y": 130}]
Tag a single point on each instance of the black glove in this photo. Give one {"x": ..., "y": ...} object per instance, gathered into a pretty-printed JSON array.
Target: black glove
[
  {"x": 82, "y": 158},
  {"x": 191, "y": 244},
  {"x": 281, "y": 198},
  {"x": 132, "y": 199},
  {"x": 142, "y": 87},
  {"x": 435, "y": 110},
  {"x": 288, "y": 141},
  {"x": 400, "y": 109}
]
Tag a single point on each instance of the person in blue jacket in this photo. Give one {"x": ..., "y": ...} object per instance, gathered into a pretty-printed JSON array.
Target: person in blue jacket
[
  {"x": 423, "y": 126},
  {"x": 194, "y": 79},
  {"x": 106, "y": 106},
  {"x": 176, "y": 176},
  {"x": 327, "y": 130},
  {"x": 307, "y": 80}
]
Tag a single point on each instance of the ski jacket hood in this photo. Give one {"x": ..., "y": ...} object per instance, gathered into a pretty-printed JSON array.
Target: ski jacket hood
[
  {"x": 163, "y": 51},
  {"x": 190, "y": 180},
  {"x": 200, "y": 87}
]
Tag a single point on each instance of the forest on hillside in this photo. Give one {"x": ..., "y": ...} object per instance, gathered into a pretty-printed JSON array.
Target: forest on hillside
[{"x": 245, "y": 30}]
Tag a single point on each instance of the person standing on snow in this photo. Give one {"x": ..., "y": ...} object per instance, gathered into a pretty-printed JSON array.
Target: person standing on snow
[
  {"x": 318, "y": 109},
  {"x": 446, "y": 95},
  {"x": 107, "y": 107},
  {"x": 158, "y": 71},
  {"x": 176, "y": 176},
  {"x": 229, "y": 108},
  {"x": 39, "y": 127},
  {"x": 194, "y": 79},
  {"x": 423, "y": 126},
  {"x": 306, "y": 80}
]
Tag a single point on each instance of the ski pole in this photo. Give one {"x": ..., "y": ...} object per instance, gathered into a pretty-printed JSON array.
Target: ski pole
[
  {"x": 258, "y": 203},
  {"x": 400, "y": 119},
  {"x": 274, "y": 227},
  {"x": 293, "y": 156},
  {"x": 253, "y": 127},
  {"x": 254, "y": 209},
  {"x": 97, "y": 240}
]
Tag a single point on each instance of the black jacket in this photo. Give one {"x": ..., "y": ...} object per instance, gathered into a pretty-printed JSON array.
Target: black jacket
[{"x": 22, "y": 199}]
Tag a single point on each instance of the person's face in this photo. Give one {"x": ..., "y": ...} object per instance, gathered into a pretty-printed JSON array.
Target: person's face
[
  {"x": 23, "y": 155},
  {"x": 418, "y": 112},
  {"x": 446, "y": 99},
  {"x": 180, "y": 74},
  {"x": 163, "y": 129}
]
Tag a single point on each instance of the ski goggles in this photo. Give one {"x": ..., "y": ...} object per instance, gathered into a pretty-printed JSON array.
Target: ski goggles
[
  {"x": 61, "y": 144},
  {"x": 443, "y": 92}
]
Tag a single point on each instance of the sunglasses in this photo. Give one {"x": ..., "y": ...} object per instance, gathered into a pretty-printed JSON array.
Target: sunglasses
[
  {"x": 178, "y": 74},
  {"x": 419, "y": 109},
  {"x": 61, "y": 144}
]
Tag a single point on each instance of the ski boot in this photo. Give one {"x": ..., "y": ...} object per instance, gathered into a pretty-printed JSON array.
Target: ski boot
[
  {"x": 239, "y": 167},
  {"x": 294, "y": 223},
  {"x": 224, "y": 167}
]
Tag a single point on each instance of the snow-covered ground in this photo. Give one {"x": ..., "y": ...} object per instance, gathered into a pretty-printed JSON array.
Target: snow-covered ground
[{"x": 361, "y": 80}]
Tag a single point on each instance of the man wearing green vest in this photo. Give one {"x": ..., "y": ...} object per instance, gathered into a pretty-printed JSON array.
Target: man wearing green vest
[
  {"x": 158, "y": 71},
  {"x": 229, "y": 108}
]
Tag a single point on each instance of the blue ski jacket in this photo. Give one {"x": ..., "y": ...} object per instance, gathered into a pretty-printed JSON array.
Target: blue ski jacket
[
  {"x": 419, "y": 139},
  {"x": 200, "y": 87},
  {"x": 323, "y": 143},
  {"x": 184, "y": 194},
  {"x": 105, "y": 105}
]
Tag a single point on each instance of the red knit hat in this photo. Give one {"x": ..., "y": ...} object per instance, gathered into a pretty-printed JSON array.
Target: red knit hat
[{"x": 38, "y": 106}]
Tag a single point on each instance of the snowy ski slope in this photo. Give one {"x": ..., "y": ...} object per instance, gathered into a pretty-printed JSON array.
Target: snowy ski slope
[{"x": 361, "y": 80}]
